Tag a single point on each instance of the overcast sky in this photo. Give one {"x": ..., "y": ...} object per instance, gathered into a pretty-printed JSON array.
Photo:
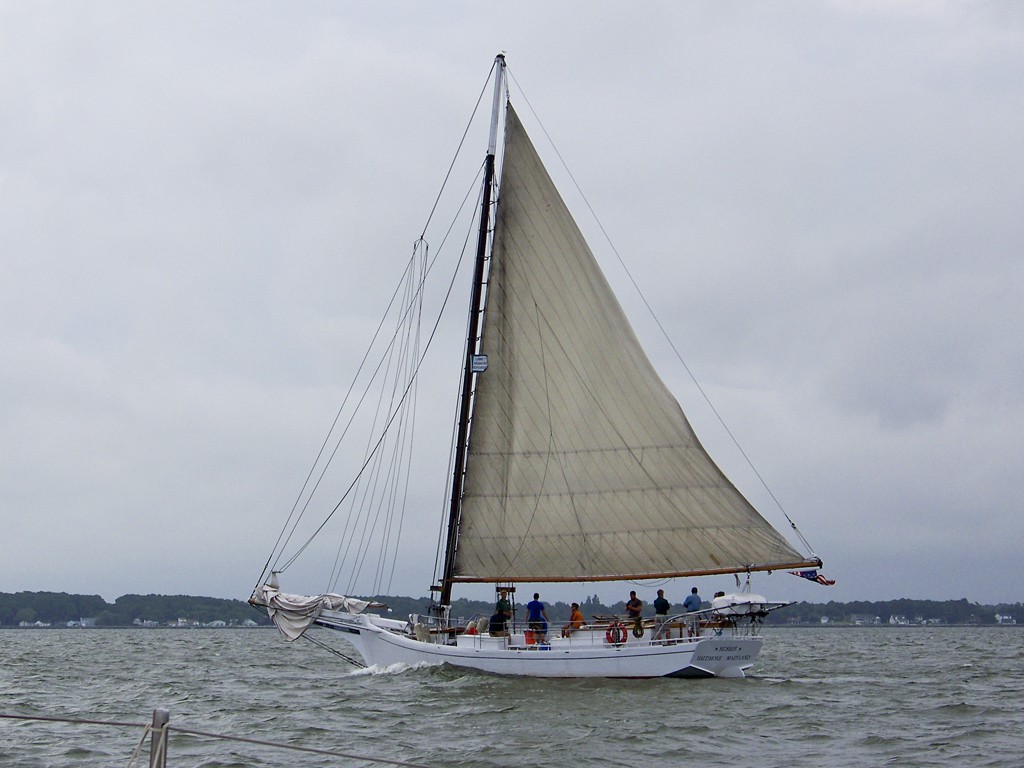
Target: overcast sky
[{"x": 203, "y": 205}]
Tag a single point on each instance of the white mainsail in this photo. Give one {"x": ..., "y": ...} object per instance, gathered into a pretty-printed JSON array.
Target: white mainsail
[{"x": 582, "y": 465}]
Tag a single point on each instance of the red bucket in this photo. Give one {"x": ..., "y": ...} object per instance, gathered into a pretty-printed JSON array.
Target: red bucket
[{"x": 531, "y": 639}]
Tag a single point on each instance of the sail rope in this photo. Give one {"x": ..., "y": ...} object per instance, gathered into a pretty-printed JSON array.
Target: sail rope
[
  {"x": 404, "y": 437},
  {"x": 449, "y": 475},
  {"x": 331, "y": 649},
  {"x": 657, "y": 320},
  {"x": 379, "y": 442},
  {"x": 295, "y": 515},
  {"x": 282, "y": 542},
  {"x": 458, "y": 151},
  {"x": 295, "y": 519},
  {"x": 393, "y": 476},
  {"x": 470, "y": 319}
]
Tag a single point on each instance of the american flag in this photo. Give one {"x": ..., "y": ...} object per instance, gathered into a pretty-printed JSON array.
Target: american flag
[{"x": 814, "y": 576}]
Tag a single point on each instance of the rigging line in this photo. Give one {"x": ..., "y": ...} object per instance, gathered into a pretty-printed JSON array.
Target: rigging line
[
  {"x": 447, "y": 491},
  {"x": 415, "y": 300},
  {"x": 475, "y": 325},
  {"x": 385, "y": 500},
  {"x": 369, "y": 501},
  {"x": 73, "y": 720},
  {"x": 400, "y": 489},
  {"x": 403, "y": 495},
  {"x": 379, "y": 476},
  {"x": 369, "y": 455},
  {"x": 363, "y": 507},
  {"x": 648, "y": 582},
  {"x": 458, "y": 149},
  {"x": 432, "y": 264},
  {"x": 402, "y": 280},
  {"x": 380, "y": 531},
  {"x": 337, "y": 445},
  {"x": 396, "y": 469},
  {"x": 279, "y": 546},
  {"x": 426, "y": 349},
  {"x": 157, "y": 753},
  {"x": 388, "y": 503},
  {"x": 331, "y": 649},
  {"x": 327, "y": 437},
  {"x": 657, "y": 321},
  {"x": 348, "y": 490}
]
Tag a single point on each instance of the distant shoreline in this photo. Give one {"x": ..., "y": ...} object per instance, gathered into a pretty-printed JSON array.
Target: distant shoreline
[{"x": 60, "y": 610}]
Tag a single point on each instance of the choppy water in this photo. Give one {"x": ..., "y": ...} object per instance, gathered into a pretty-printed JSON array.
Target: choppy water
[{"x": 907, "y": 696}]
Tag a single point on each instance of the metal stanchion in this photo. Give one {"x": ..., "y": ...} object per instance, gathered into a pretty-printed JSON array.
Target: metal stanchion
[{"x": 158, "y": 739}]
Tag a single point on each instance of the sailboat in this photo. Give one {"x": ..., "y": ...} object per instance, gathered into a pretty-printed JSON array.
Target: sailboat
[{"x": 572, "y": 462}]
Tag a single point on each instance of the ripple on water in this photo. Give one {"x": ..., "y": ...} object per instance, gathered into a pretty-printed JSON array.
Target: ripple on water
[{"x": 835, "y": 697}]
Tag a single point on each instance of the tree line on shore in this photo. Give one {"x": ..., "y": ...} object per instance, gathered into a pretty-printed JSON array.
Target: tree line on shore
[{"x": 59, "y": 608}]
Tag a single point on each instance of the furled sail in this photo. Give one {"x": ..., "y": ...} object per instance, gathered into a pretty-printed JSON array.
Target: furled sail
[{"x": 582, "y": 465}]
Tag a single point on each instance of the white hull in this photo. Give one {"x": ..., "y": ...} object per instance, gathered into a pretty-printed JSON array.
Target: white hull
[{"x": 382, "y": 642}]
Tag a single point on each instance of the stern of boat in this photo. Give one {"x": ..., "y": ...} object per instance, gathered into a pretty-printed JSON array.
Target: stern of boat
[{"x": 722, "y": 657}]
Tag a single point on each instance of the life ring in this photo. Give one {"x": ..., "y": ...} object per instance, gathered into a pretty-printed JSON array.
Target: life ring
[{"x": 615, "y": 634}]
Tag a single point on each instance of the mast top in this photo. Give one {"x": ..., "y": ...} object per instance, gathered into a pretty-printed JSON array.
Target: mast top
[{"x": 499, "y": 80}]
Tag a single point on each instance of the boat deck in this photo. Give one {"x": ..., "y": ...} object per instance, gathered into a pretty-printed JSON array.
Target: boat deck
[{"x": 671, "y": 633}]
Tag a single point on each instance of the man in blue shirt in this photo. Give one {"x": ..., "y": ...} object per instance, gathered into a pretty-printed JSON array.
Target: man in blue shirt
[
  {"x": 537, "y": 618},
  {"x": 693, "y": 601}
]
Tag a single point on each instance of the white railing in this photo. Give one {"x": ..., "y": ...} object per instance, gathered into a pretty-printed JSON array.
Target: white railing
[{"x": 605, "y": 630}]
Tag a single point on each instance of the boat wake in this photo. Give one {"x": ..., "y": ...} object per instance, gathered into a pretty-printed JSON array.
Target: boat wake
[{"x": 391, "y": 669}]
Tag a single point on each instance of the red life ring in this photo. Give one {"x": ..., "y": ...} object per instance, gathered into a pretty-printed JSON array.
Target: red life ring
[{"x": 615, "y": 634}]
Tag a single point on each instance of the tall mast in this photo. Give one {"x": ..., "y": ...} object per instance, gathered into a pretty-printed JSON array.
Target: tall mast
[{"x": 475, "y": 324}]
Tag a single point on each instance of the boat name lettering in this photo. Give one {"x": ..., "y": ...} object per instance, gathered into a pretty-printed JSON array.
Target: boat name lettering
[{"x": 720, "y": 657}]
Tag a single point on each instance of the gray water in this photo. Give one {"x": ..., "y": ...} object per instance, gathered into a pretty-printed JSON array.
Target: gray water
[{"x": 907, "y": 696}]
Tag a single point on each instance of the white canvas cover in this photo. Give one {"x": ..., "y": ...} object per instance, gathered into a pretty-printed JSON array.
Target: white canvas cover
[
  {"x": 293, "y": 614},
  {"x": 582, "y": 465}
]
